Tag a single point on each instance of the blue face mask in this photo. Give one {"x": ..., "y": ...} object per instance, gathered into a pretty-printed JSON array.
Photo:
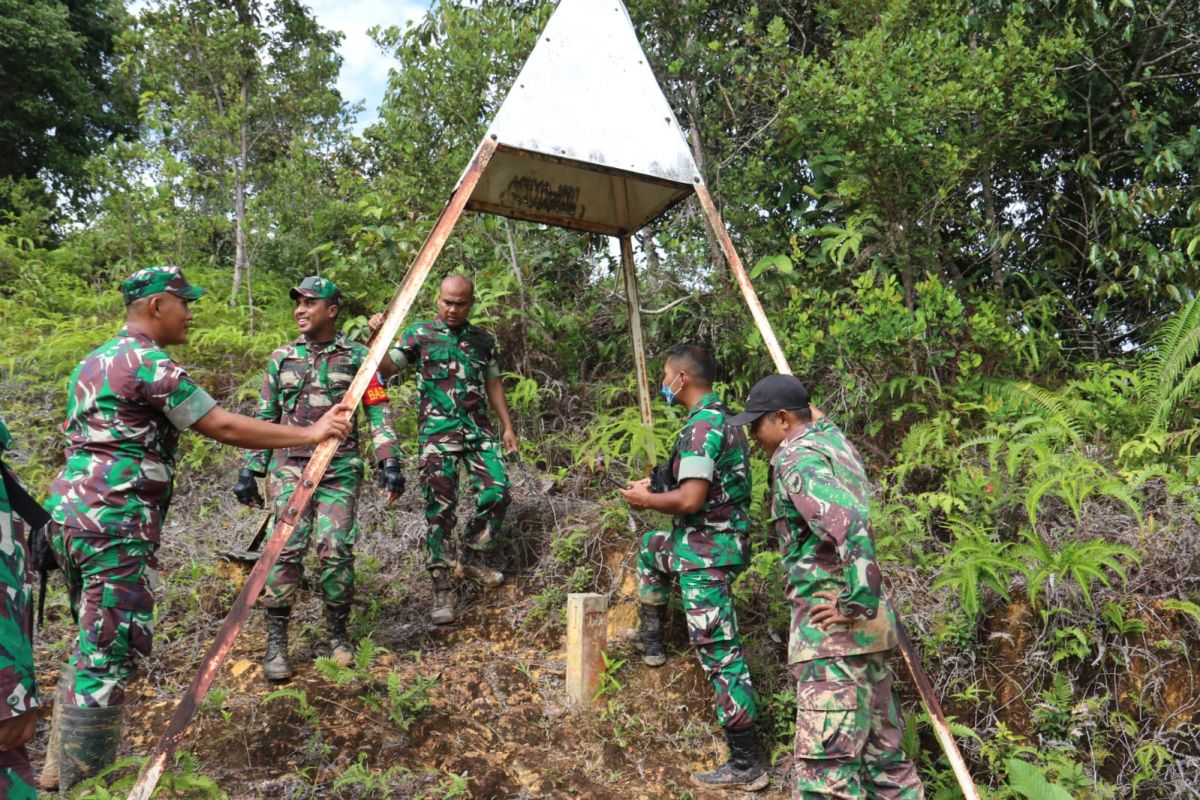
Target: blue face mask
[{"x": 668, "y": 393}]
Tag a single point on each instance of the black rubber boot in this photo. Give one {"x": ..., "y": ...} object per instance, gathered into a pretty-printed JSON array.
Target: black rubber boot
[
  {"x": 650, "y": 635},
  {"x": 88, "y": 742},
  {"x": 276, "y": 666},
  {"x": 443, "y": 612},
  {"x": 473, "y": 564},
  {"x": 337, "y": 620},
  {"x": 66, "y": 685},
  {"x": 744, "y": 770}
]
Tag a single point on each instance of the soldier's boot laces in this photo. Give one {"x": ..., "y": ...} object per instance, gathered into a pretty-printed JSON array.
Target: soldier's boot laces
[
  {"x": 340, "y": 649},
  {"x": 443, "y": 612},
  {"x": 66, "y": 684},
  {"x": 276, "y": 666},
  {"x": 473, "y": 564},
  {"x": 88, "y": 742},
  {"x": 649, "y": 641},
  {"x": 744, "y": 770}
]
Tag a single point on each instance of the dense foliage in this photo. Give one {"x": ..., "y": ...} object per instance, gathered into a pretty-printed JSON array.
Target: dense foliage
[{"x": 975, "y": 226}]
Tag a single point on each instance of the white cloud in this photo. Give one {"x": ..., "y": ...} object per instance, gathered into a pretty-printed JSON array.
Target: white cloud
[{"x": 365, "y": 67}]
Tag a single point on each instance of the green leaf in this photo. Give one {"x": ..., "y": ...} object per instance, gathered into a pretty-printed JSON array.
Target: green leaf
[{"x": 1028, "y": 781}]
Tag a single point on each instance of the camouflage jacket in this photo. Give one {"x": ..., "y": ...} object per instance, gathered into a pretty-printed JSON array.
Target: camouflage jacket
[
  {"x": 18, "y": 683},
  {"x": 821, "y": 514},
  {"x": 303, "y": 381},
  {"x": 452, "y": 367},
  {"x": 127, "y": 403},
  {"x": 707, "y": 448}
]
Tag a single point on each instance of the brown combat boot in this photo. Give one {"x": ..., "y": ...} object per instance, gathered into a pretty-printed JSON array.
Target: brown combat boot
[
  {"x": 472, "y": 563},
  {"x": 276, "y": 666},
  {"x": 443, "y": 612},
  {"x": 337, "y": 619}
]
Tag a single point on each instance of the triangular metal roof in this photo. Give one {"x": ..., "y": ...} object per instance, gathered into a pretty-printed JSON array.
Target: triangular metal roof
[{"x": 586, "y": 139}]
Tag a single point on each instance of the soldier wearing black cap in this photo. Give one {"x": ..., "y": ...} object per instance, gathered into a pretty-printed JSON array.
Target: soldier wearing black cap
[{"x": 848, "y": 726}]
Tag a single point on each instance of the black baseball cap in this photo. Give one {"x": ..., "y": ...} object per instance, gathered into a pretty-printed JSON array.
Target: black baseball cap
[{"x": 773, "y": 393}]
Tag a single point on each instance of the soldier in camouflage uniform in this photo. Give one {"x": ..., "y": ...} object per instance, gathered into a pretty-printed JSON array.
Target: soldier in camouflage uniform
[
  {"x": 304, "y": 378},
  {"x": 18, "y": 684},
  {"x": 706, "y": 548},
  {"x": 848, "y": 724},
  {"x": 457, "y": 369},
  {"x": 127, "y": 404}
]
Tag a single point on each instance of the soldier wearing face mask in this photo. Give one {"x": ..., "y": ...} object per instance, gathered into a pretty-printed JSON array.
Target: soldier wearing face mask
[{"x": 707, "y": 546}]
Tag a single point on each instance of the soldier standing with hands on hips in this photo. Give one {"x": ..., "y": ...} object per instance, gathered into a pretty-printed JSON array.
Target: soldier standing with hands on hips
[
  {"x": 304, "y": 378},
  {"x": 848, "y": 723},
  {"x": 707, "y": 546},
  {"x": 458, "y": 376},
  {"x": 127, "y": 404}
]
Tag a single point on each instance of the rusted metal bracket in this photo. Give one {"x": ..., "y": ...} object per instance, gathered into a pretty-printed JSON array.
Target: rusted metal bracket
[
  {"x": 393, "y": 318},
  {"x": 717, "y": 226}
]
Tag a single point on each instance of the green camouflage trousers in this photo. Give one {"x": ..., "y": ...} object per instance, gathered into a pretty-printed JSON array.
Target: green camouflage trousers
[
  {"x": 333, "y": 509},
  {"x": 439, "y": 483},
  {"x": 16, "y": 775},
  {"x": 712, "y": 624},
  {"x": 848, "y": 730},
  {"x": 110, "y": 581}
]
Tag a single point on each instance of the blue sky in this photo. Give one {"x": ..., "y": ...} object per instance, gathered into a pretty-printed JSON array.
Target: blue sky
[{"x": 364, "y": 67}]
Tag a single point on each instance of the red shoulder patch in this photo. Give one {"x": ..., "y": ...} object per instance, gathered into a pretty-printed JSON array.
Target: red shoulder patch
[{"x": 375, "y": 395}]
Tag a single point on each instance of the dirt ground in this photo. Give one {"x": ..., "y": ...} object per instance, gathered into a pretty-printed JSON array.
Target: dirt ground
[{"x": 498, "y": 722}]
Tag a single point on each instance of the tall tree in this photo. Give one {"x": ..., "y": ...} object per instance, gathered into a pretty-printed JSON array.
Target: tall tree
[
  {"x": 61, "y": 97},
  {"x": 230, "y": 89}
]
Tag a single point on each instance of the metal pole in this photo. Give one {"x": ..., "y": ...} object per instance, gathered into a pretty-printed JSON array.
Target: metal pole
[
  {"x": 632, "y": 296},
  {"x": 924, "y": 687},
  {"x": 717, "y": 226},
  {"x": 394, "y": 317}
]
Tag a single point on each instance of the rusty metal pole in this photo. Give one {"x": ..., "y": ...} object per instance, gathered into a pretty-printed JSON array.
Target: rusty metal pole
[
  {"x": 633, "y": 298},
  {"x": 393, "y": 318},
  {"x": 924, "y": 687},
  {"x": 717, "y": 226},
  {"x": 941, "y": 728}
]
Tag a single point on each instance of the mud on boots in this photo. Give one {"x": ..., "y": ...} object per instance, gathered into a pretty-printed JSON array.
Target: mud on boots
[
  {"x": 744, "y": 770},
  {"x": 337, "y": 620},
  {"x": 473, "y": 564},
  {"x": 276, "y": 667},
  {"x": 443, "y": 611}
]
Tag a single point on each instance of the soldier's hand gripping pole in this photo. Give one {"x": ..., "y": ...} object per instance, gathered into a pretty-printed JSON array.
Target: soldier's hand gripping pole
[{"x": 393, "y": 318}]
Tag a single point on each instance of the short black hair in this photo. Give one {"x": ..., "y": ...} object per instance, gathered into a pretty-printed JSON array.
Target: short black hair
[{"x": 695, "y": 360}]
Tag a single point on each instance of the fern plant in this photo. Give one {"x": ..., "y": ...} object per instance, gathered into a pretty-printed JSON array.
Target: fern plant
[
  {"x": 1085, "y": 563},
  {"x": 976, "y": 560}
]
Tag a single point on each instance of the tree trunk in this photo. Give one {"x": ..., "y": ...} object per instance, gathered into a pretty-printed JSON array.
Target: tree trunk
[{"x": 241, "y": 264}]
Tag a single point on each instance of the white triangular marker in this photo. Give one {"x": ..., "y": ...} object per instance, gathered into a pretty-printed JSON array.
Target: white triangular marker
[{"x": 586, "y": 138}]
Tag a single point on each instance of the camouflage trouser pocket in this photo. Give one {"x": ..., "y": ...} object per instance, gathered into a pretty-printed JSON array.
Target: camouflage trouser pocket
[
  {"x": 831, "y": 720},
  {"x": 123, "y": 626}
]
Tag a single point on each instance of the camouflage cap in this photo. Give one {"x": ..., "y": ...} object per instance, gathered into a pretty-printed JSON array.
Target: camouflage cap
[
  {"x": 153, "y": 280},
  {"x": 318, "y": 287}
]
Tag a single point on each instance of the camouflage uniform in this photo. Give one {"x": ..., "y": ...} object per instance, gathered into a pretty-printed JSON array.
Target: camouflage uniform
[
  {"x": 453, "y": 365},
  {"x": 848, "y": 724},
  {"x": 127, "y": 403},
  {"x": 18, "y": 683},
  {"x": 303, "y": 381},
  {"x": 707, "y": 550}
]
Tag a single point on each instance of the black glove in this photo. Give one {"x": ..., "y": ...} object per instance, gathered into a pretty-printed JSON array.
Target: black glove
[
  {"x": 388, "y": 476},
  {"x": 246, "y": 490}
]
